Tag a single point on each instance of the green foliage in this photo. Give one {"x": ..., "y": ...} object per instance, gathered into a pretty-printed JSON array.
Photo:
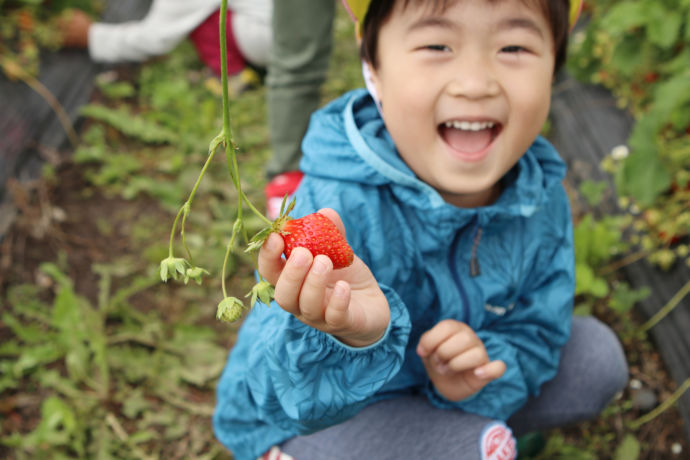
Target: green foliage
[
  {"x": 596, "y": 242},
  {"x": 593, "y": 192},
  {"x": 112, "y": 355},
  {"x": 130, "y": 124},
  {"x": 29, "y": 26},
  {"x": 558, "y": 449},
  {"x": 638, "y": 49}
]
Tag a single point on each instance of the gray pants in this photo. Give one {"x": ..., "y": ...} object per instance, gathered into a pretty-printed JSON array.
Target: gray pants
[
  {"x": 592, "y": 370},
  {"x": 298, "y": 66}
]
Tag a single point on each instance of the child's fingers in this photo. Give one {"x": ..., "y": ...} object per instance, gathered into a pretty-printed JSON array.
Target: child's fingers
[
  {"x": 469, "y": 359},
  {"x": 491, "y": 371},
  {"x": 311, "y": 298},
  {"x": 454, "y": 345},
  {"x": 270, "y": 262},
  {"x": 289, "y": 283},
  {"x": 435, "y": 336},
  {"x": 337, "y": 315}
]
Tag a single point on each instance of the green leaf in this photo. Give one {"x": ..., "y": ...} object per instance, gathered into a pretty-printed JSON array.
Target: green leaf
[
  {"x": 664, "y": 27},
  {"x": 203, "y": 362},
  {"x": 7, "y": 379},
  {"x": 588, "y": 283},
  {"x": 263, "y": 291},
  {"x": 624, "y": 298},
  {"x": 258, "y": 239},
  {"x": 58, "y": 423},
  {"x": 33, "y": 356},
  {"x": 643, "y": 176},
  {"x": 624, "y": 16},
  {"x": 629, "y": 449},
  {"x": 135, "y": 404},
  {"x": 29, "y": 333},
  {"x": 592, "y": 191},
  {"x": 195, "y": 273},
  {"x": 123, "y": 119}
]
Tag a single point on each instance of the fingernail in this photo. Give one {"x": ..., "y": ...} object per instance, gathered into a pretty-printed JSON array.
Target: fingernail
[
  {"x": 480, "y": 372},
  {"x": 319, "y": 266},
  {"x": 442, "y": 368},
  {"x": 421, "y": 351},
  {"x": 339, "y": 290},
  {"x": 298, "y": 258}
]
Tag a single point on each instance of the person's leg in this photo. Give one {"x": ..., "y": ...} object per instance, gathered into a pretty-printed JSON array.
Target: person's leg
[
  {"x": 253, "y": 37},
  {"x": 593, "y": 369},
  {"x": 406, "y": 428},
  {"x": 298, "y": 65}
]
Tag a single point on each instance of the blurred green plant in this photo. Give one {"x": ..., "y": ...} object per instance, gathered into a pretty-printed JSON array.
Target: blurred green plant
[
  {"x": 113, "y": 356},
  {"x": 29, "y": 26},
  {"x": 639, "y": 50}
]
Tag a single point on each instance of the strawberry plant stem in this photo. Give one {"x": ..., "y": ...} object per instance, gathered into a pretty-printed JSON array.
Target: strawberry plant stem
[
  {"x": 178, "y": 267},
  {"x": 666, "y": 309},
  {"x": 635, "y": 424},
  {"x": 231, "y": 148},
  {"x": 184, "y": 210}
]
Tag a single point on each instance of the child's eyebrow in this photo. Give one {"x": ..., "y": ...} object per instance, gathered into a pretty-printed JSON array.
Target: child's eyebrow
[
  {"x": 520, "y": 23},
  {"x": 432, "y": 21},
  {"x": 505, "y": 24}
]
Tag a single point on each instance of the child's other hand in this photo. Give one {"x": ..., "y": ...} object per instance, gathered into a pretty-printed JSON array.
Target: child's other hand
[
  {"x": 346, "y": 303},
  {"x": 456, "y": 360},
  {"x": 74, "y": 26}
]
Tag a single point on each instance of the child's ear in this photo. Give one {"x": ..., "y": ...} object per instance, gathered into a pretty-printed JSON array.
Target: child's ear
[{"x": 372, "y": 80}]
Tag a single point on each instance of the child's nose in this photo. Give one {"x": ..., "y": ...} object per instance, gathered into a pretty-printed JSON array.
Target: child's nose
[{"x": 473, "y": 78}]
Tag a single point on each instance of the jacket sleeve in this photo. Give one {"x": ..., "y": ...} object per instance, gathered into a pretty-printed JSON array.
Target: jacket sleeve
[
  {"x": 166, "y": 24},
  {"x": 303, "y": 379},
  {"x": 530, "y": 337}
]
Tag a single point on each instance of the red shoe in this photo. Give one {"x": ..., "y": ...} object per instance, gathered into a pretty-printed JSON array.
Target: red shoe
[{"x": 277, "y": 188}]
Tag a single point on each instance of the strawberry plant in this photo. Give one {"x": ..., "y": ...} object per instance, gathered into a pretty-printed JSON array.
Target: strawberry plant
[
  {"x": 315, "y": 231},
  {"x": 639, "y": 50}
]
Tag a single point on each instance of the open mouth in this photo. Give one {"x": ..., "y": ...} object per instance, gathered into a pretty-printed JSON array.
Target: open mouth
[{"x": 469, "y": 137}]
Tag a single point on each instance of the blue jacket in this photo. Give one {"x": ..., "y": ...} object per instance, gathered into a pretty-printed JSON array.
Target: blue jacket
[{"x": 506, "y": 269}]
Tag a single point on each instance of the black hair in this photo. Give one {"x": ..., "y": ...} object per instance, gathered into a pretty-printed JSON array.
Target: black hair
[{"x": 555, "y": 11}]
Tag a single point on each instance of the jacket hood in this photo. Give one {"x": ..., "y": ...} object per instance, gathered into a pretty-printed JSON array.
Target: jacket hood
[{"x": 347, "y": 141}]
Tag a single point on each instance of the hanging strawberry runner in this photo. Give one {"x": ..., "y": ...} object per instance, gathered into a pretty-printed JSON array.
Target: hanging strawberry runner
[{"x": 315, "y": 232}]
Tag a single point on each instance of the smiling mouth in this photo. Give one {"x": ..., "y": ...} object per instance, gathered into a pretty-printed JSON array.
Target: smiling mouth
[{"x": 469, "y": 137}]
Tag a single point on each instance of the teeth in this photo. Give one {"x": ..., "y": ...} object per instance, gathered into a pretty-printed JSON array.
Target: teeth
[{"x": 470, "y": 125}]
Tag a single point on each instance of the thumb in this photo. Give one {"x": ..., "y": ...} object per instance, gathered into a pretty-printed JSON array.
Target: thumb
[{"x": 333, "y": 217}]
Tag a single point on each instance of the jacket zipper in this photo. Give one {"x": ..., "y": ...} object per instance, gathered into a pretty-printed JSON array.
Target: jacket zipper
[{"x": 474, "y": 265}]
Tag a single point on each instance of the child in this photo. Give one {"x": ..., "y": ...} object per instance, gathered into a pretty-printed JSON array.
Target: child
[
  {"x": 168, "y": 22},
  {"x": 455, "y": 316}
]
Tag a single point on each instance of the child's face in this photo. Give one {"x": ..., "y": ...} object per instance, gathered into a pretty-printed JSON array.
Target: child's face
[{"x": 465, "y": 91}]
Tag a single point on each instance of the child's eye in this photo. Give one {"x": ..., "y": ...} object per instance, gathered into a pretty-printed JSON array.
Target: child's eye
[
  {"x": 437, "y": 47},
  {"x": 513, "y": 49}
]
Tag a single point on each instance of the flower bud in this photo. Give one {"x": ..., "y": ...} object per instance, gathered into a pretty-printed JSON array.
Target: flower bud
[{"x": 230, "y": 309}]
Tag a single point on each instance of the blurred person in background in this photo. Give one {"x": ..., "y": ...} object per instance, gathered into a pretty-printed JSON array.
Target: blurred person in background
[
  {"x": 297, "y": 68},
  {"x": 169, "y": 22}
]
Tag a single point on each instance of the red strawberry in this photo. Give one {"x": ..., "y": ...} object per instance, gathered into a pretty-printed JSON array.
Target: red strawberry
[{"x": 317, "y": 233}]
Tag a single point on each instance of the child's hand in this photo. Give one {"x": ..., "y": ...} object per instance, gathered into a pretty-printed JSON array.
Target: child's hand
[
  {"x": 73, "y": 25},
  {"x": 456, "y": 360},
  {"x": 346, "y": 303}
]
